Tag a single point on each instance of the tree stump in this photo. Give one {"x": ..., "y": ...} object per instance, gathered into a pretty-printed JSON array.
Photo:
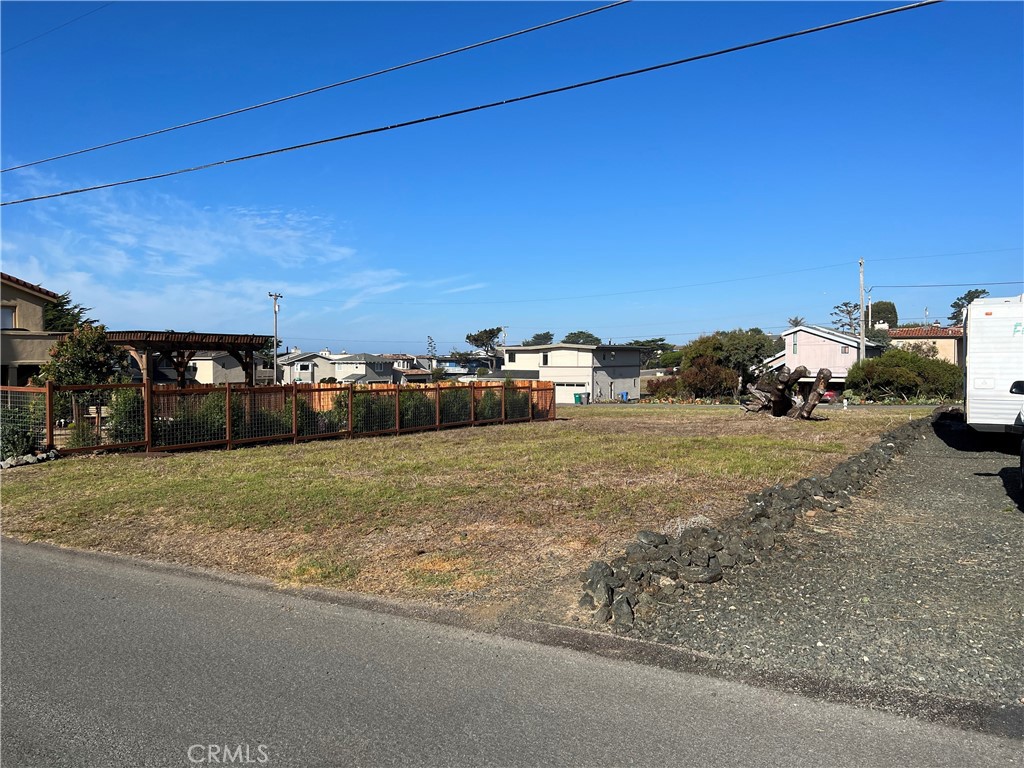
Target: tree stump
[{"x": 773, "y": 392}]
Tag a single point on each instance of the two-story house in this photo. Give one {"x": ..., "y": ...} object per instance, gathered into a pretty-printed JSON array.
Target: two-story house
[
  {"x": 223, "y": 368},
  {"x": 298, "y": 367},
  {"x": 24, "y": 341},
  {"x": 816, "y": 347},
  {"x": 364, "y": 369},
  {"x": 599, "y": 372}
]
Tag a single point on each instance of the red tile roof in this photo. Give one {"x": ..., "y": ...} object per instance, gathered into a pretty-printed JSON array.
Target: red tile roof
[
  {"x": 926, "y": 332},
  {"x": 28, "y": 286}
]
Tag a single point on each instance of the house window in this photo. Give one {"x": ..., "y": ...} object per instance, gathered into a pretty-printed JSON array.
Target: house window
[
  {"x": 544, "y": 358},
  {"x": 844, "y": 350},
  {"x": 7, "y": 319},
  {"x": 303, "y": 366},
  {"x": 511, "y": 357},
  {"x": 794, "y": 345}
]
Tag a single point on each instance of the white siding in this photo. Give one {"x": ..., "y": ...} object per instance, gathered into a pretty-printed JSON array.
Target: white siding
[{"x": 995, "y": 359}]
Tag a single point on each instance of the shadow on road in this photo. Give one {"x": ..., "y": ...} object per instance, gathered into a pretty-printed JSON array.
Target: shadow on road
[{"x": 951, "y": 429}]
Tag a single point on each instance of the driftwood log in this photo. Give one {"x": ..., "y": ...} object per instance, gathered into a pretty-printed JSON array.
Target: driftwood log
[{"x": 774, "y": 392}]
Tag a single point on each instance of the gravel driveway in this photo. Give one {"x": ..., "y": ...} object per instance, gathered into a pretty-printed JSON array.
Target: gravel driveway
[{"x": 914, "y": 593}]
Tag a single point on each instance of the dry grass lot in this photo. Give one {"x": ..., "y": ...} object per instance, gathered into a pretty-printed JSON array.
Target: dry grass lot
[{"x": 477, "y": 517}]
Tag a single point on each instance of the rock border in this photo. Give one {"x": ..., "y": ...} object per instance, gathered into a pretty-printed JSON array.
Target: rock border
[
  {"x": 657, "y": 568},
  {"x": 29, "y": 458}
]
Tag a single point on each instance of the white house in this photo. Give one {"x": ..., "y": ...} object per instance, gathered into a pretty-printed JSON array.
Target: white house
[
  {"x": 306, "y": 367},
  {"x": 601, "y": 372},
  {"x": 816, "y": 347}
]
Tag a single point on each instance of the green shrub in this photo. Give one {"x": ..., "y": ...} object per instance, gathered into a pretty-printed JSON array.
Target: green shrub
[
  {"x": 126, "y": 421},
  {"x": 83, "y": 435},
  {"x": 455, "y": 405},
  {"x": 416, "y": 409},
  {"x": 372, "y": 412},
  {"x": 18, "y": 430},
  {"x": 489, "y": 406},
  {"x": 900, "y": 374},
  {"x": 517, "y": 403}
]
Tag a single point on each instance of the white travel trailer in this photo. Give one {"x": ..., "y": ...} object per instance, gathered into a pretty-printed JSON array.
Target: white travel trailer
[{"x": 994, "y": 385}]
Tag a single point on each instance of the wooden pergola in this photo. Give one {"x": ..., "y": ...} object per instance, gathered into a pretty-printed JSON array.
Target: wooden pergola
[{"x": 149, "y": 347}]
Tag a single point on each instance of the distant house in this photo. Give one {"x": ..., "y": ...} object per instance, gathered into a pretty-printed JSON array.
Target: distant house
[
  {"x": 601, "y": 372},
  {"x": 363, "y": 369},
  {"x": 815, "y": 347},
  {"x": 223, "y": 368},
  {"x": 407, "y": 369},
  {"x": 24, "y": 342},
  {"x": 298, "y": 367},
  {"x": 948, "y": 342}
]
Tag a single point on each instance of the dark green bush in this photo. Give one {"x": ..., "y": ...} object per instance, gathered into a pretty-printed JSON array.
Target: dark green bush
[
  {"x": 489, "y": 406},
  {"x": 455, "y": 405},
  {"x": 19, "y": 427},
  {"x": 416, "y": 409},
  {"x": 373, "y": 412},
  {"x": 517, "y": 403},
  {"x": 900, "y": 374}
]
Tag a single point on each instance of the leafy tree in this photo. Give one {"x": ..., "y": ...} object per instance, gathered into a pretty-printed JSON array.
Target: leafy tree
[
  {"x": 581, "y": 337},
  {"x": 84, "y": 356},
  {"x": 744, "y": 350},
  {"x": 702, "y": 346},
  {"x": 670, "y": 359},
  {"x": 62, "y": 316},
  {"x": 846, "y": 317},
  {"x": 796, "y": 322},
  {"x": 956, "y": 317},
  {"x": 885, "y": 312},
  {"x": 705, "y": 378},
  {"x": 652, "y": 350},
  {"x": 879, "y": 336},
  {"x": 539, "y": 339},
  {"x": 431, "y": 348},
  {"x": 486, "y": 341}
]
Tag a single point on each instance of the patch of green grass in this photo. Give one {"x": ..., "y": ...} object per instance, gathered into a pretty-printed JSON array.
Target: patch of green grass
[
  {"x": 423, "y": 578},
  {"x": 324, "y": 569}
]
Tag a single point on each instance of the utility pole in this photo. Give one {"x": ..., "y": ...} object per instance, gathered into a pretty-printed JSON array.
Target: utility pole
[
  {"x": 863, "y": 344},
  {"x": 275, "y": 297}
]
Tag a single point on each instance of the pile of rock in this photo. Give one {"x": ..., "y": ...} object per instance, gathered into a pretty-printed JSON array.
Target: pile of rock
[
  {"x": 658, "y": 568},
  {"x": 30, "y": 458}
]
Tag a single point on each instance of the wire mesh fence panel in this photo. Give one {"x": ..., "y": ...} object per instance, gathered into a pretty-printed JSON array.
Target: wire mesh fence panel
[
  {"x": 417, "y": 408},
  {"x": 456, "y": 405},
  {"x": 22, "y": 421},
  {"x": 189, "y": 417},
  {"x": 543, "y": 401},
  {"x": 517, "y": 402},
  {"x": 487, "y": 405},
  {"x": 321, "y": 410},
  {"x": 261, "y": 413},
  {"x": 85, "y": 416},
  {"x": 373, "y": 410}
]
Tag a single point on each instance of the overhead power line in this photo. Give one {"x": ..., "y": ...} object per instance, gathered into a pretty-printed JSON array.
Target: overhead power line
[
  {"x": 60, "y": 26},
  {"x": 480, "y": 107},
  {"x": 952, "y": 285},
  {"x": 318, "y": 89}
]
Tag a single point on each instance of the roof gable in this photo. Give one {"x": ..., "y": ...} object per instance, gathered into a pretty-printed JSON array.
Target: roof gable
[{"x": 831, "y": 334}]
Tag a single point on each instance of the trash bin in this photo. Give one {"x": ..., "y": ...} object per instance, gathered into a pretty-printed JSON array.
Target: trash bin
[
  {"x": 586, "y": 398},
  {"x": 578, "y": 398},
  {"x": 624, "y": 396}
]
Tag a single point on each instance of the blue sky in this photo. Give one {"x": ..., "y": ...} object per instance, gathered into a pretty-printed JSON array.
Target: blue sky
[{"x": 632, "y": 209}]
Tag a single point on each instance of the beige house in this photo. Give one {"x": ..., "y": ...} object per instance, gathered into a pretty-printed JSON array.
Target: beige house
[
  {"x": 223, "y": 368},
  {"x": 948, "y": 342},
  {"x": 597, "y": 372},
  {"x": 24, "y": 344}
]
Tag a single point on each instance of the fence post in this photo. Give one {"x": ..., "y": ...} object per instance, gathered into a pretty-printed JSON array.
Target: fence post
[
  {"x": 295, "y": 412},
  {"x": 147, "y": 413},
  {"x": 227, "y": 416},
  {"x": 351, "y": 402},
  {"x": 398, "y": 409},
  {"x": 437, "y": 404},
  {"x": 49, "y": 415},
  {"x": 504, "y": 415},
  {"x": 472, "y": 403}
]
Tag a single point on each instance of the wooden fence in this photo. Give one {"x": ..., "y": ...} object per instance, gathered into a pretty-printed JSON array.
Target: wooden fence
[{"x": 166, "y": 418}]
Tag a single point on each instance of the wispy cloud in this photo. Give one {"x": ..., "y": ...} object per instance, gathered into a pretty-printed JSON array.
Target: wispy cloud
[{"x": 464, "y": 288}]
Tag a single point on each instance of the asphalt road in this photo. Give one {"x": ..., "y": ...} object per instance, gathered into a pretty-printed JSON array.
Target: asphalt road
[{"x": 109, "y": 662}]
